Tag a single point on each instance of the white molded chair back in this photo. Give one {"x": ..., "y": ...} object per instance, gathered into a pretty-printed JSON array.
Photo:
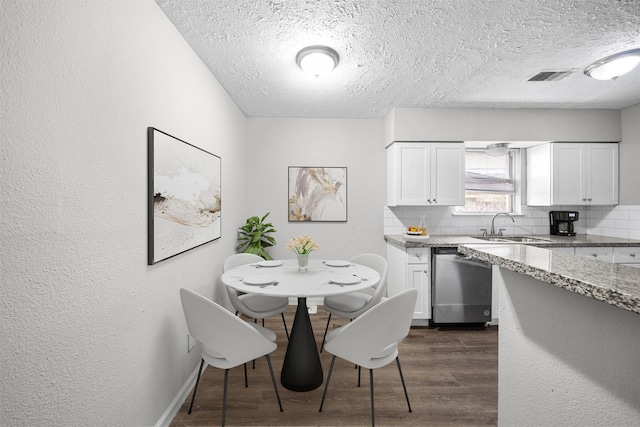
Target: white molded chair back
[
  {"x": 379, "y": 264},
  {"x": 227, "y": 341},
  {"x": 240, "y": 259},
  {"x": 252, "y": 305},
  {"x": 353, "y": 304},
  {"x": 371, "y": 340}
]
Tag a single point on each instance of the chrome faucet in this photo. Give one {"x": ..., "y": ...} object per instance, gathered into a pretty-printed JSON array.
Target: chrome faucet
[{"x": 493, "y": 229}]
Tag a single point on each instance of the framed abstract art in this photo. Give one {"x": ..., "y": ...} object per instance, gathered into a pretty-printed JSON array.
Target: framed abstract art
[
  {"x": 184, "y": 202},
  {"x": 317, "y": 194}
]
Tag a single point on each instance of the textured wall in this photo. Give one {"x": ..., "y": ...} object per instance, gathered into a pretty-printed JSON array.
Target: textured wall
[
  {"x": 91, "y": 335},
  {"x": 565, "y": 359}
]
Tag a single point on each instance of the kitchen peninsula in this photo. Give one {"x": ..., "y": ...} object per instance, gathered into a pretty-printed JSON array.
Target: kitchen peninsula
[{"x": 569, "y": 337}]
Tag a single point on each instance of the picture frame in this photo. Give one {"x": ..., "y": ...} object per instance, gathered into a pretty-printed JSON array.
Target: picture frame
[
  {"x": 317, "y": 194},
  {"x": 184, "y": 196}
]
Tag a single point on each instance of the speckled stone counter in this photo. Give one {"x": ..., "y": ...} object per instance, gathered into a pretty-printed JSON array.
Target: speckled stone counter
[
  {"x": 614, "y": 284},
  {"x": 553, "y": 241}
]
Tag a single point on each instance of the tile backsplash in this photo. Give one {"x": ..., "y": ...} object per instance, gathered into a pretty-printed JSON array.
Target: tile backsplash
[{"x": 613, "y": 221}]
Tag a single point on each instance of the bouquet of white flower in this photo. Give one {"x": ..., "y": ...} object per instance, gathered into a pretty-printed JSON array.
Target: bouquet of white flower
[{"x": 302, "y": 245}]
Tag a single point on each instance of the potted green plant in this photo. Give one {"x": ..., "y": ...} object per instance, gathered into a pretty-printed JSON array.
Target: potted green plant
[{"x": 253, "y": 237}]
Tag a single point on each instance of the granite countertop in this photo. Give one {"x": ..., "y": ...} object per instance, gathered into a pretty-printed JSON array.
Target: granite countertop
[
  {"x": 553, "y": 241},
  {"x": 614, "y": 284}
]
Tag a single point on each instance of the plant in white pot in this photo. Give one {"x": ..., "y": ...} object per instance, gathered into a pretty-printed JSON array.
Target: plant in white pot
[{"x": 253, "y": 237}]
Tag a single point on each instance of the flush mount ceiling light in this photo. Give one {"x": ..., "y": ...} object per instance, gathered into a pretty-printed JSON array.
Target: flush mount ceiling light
[
  {"x": 614, "y": 66},
  {"x": 317, "y": 60},
  {"x": 496, "y": 150}
]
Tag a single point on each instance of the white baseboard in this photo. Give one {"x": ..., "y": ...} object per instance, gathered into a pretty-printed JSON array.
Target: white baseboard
[{"x": 177, "y": 401}]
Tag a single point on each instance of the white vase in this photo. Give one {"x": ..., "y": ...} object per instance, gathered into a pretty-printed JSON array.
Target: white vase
[{"x": 303, "y": 263}]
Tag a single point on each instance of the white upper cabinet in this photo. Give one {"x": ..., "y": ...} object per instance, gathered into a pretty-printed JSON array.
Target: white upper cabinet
[
  {"x": 425, "y": 174},
  {"x": 572, "y": 174}
]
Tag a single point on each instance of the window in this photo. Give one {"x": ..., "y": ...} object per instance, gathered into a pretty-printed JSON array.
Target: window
[{"x": 492, "y": 183}]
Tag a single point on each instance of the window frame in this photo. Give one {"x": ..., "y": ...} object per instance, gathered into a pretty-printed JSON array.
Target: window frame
[{"x": 516, "y": 195}]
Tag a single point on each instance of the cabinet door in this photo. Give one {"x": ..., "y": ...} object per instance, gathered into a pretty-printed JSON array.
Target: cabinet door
[
  {"x": 569, "y": 174},
  {"x": 599, "y": 252},
  {"x": 602, "y": 174},
  {"x": 447, "y": 174},
  {"x": 626, "y": 255},
  {"x": 418, "y": 278},
  {"x": 409, "y": 175}
]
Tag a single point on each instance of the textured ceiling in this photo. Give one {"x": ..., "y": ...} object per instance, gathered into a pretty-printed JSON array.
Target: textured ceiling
[{"x": 412, "y": 53}]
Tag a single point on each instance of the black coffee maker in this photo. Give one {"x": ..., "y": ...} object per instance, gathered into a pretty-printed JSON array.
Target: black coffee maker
[{"x": 562, "y": 222}]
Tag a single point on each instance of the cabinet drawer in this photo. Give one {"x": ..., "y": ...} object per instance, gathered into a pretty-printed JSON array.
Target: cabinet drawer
[
  {"x": 601, "y": 253},
  {"x": 418, "y": 255},
  {"x": 630, "y": 255}
]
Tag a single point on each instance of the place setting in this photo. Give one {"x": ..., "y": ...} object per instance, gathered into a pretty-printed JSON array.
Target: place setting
[
  {"x": 337, "y": 263},
  {"x": 260, "y": 281},
  {"x": 268, "y": 263}
]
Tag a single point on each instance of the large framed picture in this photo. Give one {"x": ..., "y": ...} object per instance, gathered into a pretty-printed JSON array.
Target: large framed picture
[
  {"x": 184, "y": 204},
  {"x": 317, "y": 194}
]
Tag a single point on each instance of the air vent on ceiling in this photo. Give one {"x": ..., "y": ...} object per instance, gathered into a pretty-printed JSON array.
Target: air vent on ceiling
[{"x": 550, "y": 76}]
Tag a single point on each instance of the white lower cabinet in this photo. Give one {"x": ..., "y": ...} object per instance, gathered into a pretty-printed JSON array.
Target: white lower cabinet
[
  {"x": 410, "y": 268},
  {"x": 627, "y": 256},
  {"x": 601, "y": 253}
]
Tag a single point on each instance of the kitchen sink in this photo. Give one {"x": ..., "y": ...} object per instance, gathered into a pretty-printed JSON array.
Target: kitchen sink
[{"x": 514, "y": 239}]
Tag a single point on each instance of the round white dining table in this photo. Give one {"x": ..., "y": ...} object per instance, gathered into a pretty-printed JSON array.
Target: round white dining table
[{"x": 301, "y": 369}]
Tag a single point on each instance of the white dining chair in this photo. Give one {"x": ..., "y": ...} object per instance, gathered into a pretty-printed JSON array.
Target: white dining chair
[
  {"x": 227, "y": 341},
  {"x": 353, "y": 304},
  {"x": 253, "y": 305},
  {"x": 371, "y": 340}
]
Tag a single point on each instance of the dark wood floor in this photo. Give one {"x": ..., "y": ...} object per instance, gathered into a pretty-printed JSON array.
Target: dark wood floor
[{"x": 451, "y": 376}]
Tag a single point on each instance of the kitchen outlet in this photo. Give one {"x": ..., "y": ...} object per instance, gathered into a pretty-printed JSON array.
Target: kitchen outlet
[
  {"x": 312, "y": 309},
  {"x": 191, "y": 342}
]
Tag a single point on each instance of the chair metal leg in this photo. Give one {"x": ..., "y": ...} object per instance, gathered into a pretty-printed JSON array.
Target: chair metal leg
[
  {"x": 326, "y": 385},
  {"x": 253, "y": 364},
  {"x": 273, "y": 379},
  {"x": 325, "y": 333},
  {"x": 373, "y": 418},
  {"x": 246, "y": 381},
  {"x": 224, "y": 396},
  {"x": 406, "y": 395},
  {"x": 359, "y": 369},
  {"x": 195, "y": 389},
  {"x": 286, "y": 331}
]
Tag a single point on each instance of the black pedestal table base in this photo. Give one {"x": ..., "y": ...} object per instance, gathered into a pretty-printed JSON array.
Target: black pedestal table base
[{"x": 301, "y": 370}]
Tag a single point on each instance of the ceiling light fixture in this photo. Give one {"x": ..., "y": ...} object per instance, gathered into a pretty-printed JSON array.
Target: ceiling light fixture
[
  {"x": 497, "y": 150},
  {"x": 614, "y": 66},
  {"x": 317, "y": 60}
]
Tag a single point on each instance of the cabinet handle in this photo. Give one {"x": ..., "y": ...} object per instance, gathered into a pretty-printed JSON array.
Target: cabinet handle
[
  {"x": 594, "y": 255},
  {"x": 632, "y": 255},
  {"x": 429, "y": 200},
  {"x": 435, "y": 201},
  {"x": 589, "y": 199},
  {"x": 584, "y": 200}
]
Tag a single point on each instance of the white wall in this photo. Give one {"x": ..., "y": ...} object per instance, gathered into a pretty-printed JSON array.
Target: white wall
[
  {"x": 91, "y": 335},
  {"x": 501, "y": 124},
  {"x": 630, "y": 157},
  {"x": 275, "y": 144}
]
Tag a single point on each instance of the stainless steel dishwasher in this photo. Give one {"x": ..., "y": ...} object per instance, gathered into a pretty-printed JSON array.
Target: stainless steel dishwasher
[{"x": 460, "y": 288}]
